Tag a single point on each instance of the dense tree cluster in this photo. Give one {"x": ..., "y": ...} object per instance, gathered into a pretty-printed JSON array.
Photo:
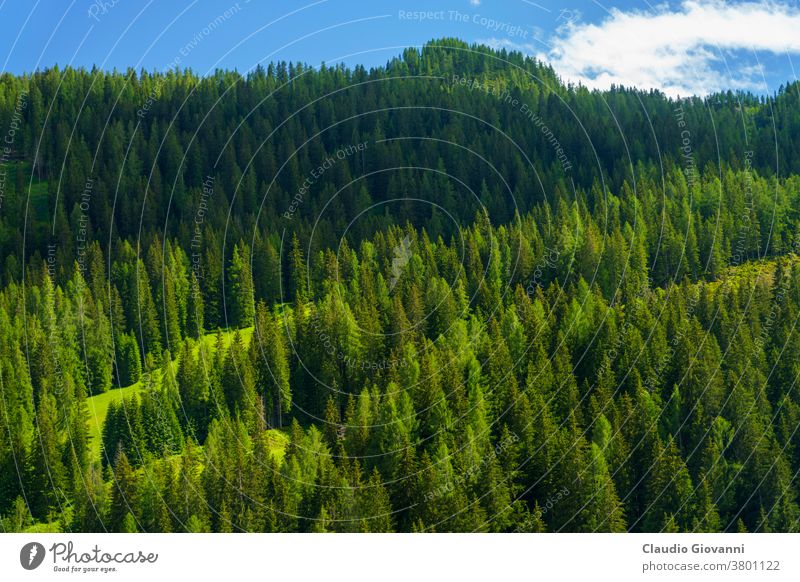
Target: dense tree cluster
[
  {"x": 607, "y": 347},
  {"x": 216, "y": 159},
  {"x": 654, "y": 407}
]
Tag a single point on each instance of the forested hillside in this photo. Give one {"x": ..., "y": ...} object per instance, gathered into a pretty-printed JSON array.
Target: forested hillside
[{"x": 447, "y": 294}]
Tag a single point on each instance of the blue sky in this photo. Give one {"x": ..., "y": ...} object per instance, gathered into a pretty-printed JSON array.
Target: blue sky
[{"x": 682, "y": 47}]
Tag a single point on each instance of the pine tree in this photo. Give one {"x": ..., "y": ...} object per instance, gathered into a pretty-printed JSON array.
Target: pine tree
[
  {"x": 47, "y": 474},
  {"x": 269, "y": 354},
  {"x": 241, "y": 297},
  {"x": 238, "y": 382},
  {"x": 128, "y": 360},
  {"x": 123, "y": 496},
  {"x": 195, "y": 320}
]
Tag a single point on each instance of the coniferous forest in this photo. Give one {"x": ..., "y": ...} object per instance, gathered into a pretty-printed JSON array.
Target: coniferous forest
[{"x": 451, "y": 293}]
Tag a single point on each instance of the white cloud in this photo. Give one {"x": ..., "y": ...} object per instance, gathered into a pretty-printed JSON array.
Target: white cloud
[
  {"x": 680, "y": 51},
  {"x": 475, "y": 2}
]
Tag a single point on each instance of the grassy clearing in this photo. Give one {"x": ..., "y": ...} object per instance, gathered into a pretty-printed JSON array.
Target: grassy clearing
[
  {"x": 210, "y": 339},
  {"x": 98, "y": 405},
  {"x": 98, "y": 410},
  {"x": 39, "y": 201},
  {"x": 38, "y": 196}
]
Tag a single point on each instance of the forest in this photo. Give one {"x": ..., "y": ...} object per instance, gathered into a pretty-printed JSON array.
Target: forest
[{"x": 447, "y": 294}]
